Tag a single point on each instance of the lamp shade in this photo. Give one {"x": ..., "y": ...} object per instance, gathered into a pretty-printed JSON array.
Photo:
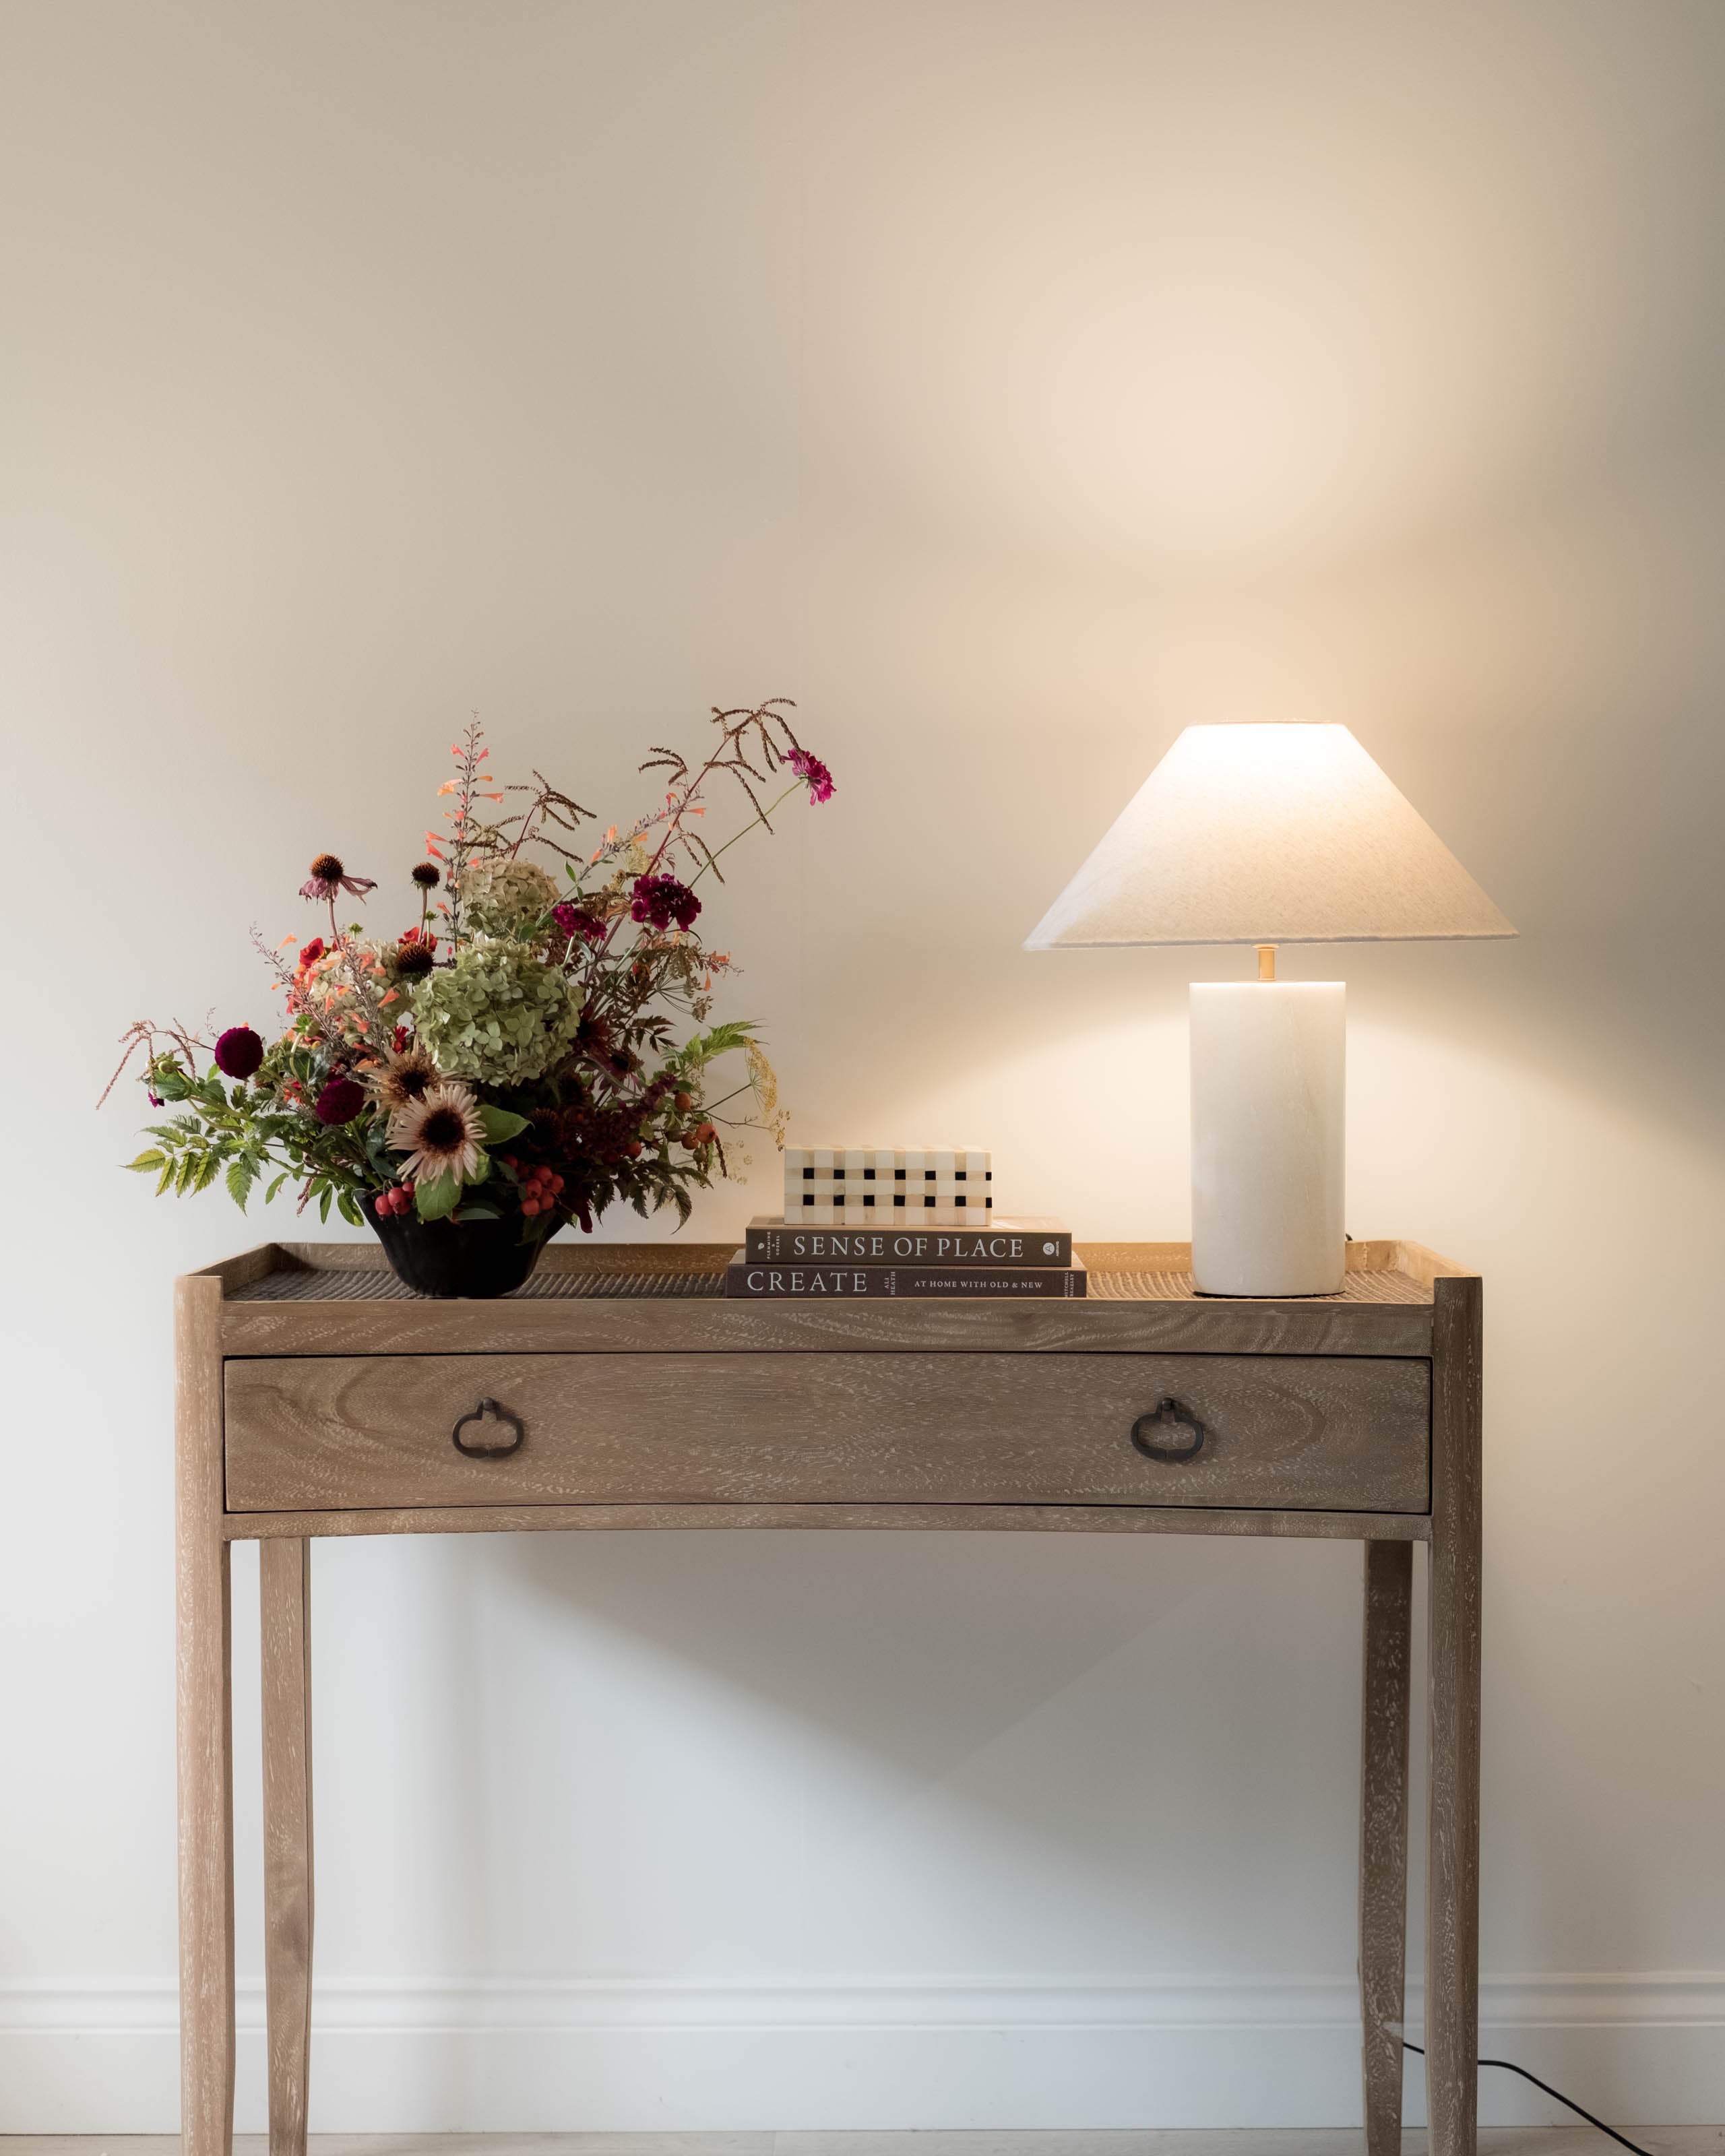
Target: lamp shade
[{"x": 1268, "y": 834}]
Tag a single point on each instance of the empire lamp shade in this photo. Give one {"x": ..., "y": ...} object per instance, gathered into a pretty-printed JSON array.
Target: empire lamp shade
[{"x": 1280, "y": 834}]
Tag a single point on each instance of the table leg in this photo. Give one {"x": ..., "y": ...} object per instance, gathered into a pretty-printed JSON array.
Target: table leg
[
  {"x": 1384, "y": 1838},
  {"x": 283, "y": 1587},
  {"x": 1452, "y": 1947},
  {"x": 206, "y": 1730}
]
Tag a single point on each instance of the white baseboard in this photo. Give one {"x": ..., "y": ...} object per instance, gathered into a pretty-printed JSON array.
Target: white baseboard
[{"x": 520, "y": 2056}]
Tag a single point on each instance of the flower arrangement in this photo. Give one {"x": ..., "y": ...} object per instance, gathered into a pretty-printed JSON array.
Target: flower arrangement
[{"x": 533, "y": 1048}]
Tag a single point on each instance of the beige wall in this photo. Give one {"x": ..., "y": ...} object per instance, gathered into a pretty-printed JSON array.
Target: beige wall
[{"x": 1012, "y": 384}]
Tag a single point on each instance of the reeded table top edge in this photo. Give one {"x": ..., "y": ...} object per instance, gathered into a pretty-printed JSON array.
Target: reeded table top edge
[{"x": 1378, "y": 1272}]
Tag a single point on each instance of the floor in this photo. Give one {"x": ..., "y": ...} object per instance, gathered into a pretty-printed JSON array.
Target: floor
[{"x": 1578, "y": 2140}]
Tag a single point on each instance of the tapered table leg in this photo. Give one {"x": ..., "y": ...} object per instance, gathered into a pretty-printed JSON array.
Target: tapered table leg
[
  {"x": 284, "y": 1584},
  {"x": 1384, "y": 1838},
  {"x": 206, "y": 1729},
  {"x": 1452, "y": 1948}
]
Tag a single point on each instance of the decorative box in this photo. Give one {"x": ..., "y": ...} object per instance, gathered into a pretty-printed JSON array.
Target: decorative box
[{"x": 939, "y": 1186}]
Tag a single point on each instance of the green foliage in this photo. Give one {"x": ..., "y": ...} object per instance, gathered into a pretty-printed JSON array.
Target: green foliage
[
  {"x": 240, "y": 1132},
  {"x": 718, "y": 1041},
  {"x": 436, "y": 1201}
]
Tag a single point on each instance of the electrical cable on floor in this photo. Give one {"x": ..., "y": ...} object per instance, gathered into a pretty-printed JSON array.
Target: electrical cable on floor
[{"x": 1510, "y": 2066}]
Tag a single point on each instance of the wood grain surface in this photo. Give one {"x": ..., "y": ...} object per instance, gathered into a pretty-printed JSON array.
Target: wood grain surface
[
  {"x": 639, "y": 1326},
  {"x": 372, "y": 1431},
  {"x": 284, "y": 1582},
  {"x": 637, "y": 1298},
  {"x": 1452, "y": 1894},
  {"x": 1383, "y": 1837},
  {"x": 205, "y": 1742},
  {"x": 944, "y": 1519}
]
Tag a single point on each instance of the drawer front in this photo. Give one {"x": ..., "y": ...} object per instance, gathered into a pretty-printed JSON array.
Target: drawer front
[{"x": 1314, "y": 1433}]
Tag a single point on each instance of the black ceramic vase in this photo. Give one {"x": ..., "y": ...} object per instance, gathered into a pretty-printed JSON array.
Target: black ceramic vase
[{"x": 447, "y": 1258}]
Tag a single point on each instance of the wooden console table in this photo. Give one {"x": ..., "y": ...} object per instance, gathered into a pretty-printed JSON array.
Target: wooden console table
[{"x": 619, "y": 1389}]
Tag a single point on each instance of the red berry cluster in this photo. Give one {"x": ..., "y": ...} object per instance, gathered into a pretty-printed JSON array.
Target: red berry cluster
[
  {"x": 539, "y": 1191},
  {"x": 398, "y": 1199}
]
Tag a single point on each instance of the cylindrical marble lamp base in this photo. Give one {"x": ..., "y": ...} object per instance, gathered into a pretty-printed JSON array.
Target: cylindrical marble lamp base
[{"x": 1268, "y": 1086}]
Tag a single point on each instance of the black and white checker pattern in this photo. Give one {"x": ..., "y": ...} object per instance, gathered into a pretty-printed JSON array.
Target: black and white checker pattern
[{"x": 887, "y": 1186}]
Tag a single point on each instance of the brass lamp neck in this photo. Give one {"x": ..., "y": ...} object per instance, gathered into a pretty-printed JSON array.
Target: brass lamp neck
[{"x": 1267, "y": 962}]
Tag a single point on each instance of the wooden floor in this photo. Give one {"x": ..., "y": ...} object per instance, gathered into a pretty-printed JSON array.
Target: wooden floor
[{"x": 1578, "y": 2140}]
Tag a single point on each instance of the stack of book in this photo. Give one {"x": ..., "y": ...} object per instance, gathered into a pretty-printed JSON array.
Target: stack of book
[{"x": 788, "y": 1260}]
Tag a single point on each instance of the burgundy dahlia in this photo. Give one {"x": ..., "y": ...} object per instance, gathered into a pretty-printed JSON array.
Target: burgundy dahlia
[
  {"x": 239, "y": 1052},
  {"x": 811, "y": 768},
  {"x": 570, "y": 921},
  {"x": 661, "y": 900},
  {"x": 339, "y": 1102}
]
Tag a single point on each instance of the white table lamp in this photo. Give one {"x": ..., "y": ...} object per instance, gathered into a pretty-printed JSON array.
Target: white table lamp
[{"x": 1267, "y": 834}]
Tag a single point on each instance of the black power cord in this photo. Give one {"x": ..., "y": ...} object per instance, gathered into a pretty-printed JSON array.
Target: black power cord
[{"x": 1510, "y": 2066}]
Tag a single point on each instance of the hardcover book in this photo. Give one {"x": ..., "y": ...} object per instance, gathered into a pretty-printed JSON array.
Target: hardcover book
[
  {"x": 794, "y": 1283},
  {"x": 1000, "y": 1241}
]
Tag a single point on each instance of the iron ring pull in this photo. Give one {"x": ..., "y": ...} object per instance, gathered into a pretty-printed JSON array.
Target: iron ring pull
[
  {"x": 490, "y": 1411},
  {"x": 1169, "y": 1418}
]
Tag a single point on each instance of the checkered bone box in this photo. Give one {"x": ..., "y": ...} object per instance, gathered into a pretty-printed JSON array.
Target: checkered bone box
[{"x": 863, "y": 1186}]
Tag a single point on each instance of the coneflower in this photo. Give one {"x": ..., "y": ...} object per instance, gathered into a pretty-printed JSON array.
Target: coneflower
[
  {"x": 441, "y": 1135},
  {"x": 328, "y": 876},
  {"x": 404, "y": 1080},
  {"x": 414, "y": 955}
]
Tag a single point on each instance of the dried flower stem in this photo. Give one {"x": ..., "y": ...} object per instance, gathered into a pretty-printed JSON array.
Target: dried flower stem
[{"x": 144, "y": 1032}]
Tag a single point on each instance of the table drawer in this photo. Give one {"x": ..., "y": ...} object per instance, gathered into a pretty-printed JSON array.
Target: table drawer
[{"x": 1316, "y": 1433}]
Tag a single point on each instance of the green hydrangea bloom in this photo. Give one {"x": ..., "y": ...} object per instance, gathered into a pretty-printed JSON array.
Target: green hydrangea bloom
[
  {"x": 501, "y": 897},
  {"x": 498, "y": 1016}
]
